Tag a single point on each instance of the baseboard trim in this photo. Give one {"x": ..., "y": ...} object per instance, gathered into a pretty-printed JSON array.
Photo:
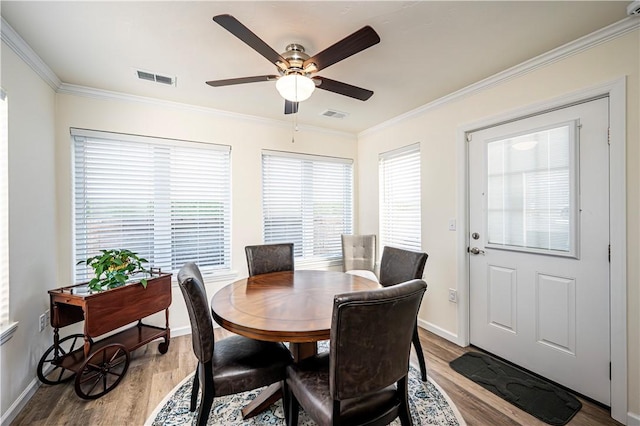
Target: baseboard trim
[
  {"x": 633, "y": 419},
  {"x": 438, "y": 331},
  {"x": 20, "y": 402},
  {"x": 180, "y": 331}
]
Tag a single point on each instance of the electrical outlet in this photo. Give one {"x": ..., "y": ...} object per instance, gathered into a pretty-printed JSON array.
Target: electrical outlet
[
  {"x": 47, "y": 317},
  {"x": 453, "y": 296},
  {"x": 42, "y": 323}
]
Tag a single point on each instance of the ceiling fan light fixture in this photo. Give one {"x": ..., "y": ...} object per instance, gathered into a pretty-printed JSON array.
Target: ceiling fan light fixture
[{"x": 295, "y": 87}]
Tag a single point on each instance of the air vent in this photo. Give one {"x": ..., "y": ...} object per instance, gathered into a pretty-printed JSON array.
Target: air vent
[
  {"x": 332, "y": 113},
  {"x": 162, "y": 79}
]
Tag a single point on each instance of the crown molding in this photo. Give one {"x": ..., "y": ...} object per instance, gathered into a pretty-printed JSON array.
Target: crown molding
[
  {"x": 31, "y": 58},
  {"x": 26, "y": 53},
  {"x": 600, "y": 36},
  {"x": 613, "y": 31},
  {"x": 89, "y": 92}
]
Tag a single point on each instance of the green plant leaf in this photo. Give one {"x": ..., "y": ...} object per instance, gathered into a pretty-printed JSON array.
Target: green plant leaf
[{"x": 113, "y": 267}]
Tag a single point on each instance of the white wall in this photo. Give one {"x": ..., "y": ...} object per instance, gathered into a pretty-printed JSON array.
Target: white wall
[
  {"x": 32, "y": 224},
  {"x": 435, "y": 128},
  {"x": 40, "y": 194},
  {"x": 40, "y": 183},
  {"x": 247, "y": 138}
]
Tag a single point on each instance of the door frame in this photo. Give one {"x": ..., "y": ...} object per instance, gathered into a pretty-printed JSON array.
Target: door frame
[{"x": 616, "y": 91}]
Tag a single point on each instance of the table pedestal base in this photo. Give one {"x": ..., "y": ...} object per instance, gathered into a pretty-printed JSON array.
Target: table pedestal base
[
  {"x": 274, "y": 392},
  {"x": 303, "y": 350},
  {"x": 267, "y": 397}
]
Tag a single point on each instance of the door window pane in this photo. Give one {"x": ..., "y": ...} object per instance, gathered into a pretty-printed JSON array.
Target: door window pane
[{"x": 531, "y": 191}]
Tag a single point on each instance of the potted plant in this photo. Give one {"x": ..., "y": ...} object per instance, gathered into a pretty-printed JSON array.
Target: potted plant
[{"x": 114, "y": 267}]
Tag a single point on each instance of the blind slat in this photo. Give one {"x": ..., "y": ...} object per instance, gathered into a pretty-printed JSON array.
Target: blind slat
[
  {"x": 4, "y": 210},
  {"x": 307, "y": 200},
  {"x": 400, "y": 214},
  {"x": 530, "y": 195},
  {"x": 169, "y": 201}
]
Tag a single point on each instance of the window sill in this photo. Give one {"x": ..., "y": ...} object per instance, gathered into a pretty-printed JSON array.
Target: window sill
[
  {"x": 220, "y": 276},
  {"x": 211, "y": 277},
  {"x": 318, "y": 264},
  {"x": 6, "y": 332}
]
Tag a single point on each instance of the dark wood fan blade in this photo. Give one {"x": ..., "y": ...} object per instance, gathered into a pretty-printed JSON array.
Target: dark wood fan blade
[
  {"x": 234, "y": 26},
  {"x": 290, "y": 107},
  {"x": 343, "y": 88},
  {"x": 241, "y": 80},
  {"x": 350, "y": 45}
]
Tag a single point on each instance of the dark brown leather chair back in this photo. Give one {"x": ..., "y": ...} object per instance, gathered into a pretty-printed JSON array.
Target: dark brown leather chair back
[
  {"x": 371, "y": 335},
  {"x": 267, "y": 258},
  {"x": 398, "y": 265},
  {"x": 195, "y": 297}
]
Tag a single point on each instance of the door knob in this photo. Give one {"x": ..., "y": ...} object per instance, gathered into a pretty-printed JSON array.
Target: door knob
[{"x": 476, "y": 250}]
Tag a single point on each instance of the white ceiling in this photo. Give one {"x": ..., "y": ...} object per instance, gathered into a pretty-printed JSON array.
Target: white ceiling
[{"x": 428, "y": 49}]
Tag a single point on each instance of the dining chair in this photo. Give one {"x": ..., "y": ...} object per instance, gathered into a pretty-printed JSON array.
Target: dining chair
[
  {"x": 359, "y": 255},
  {"x": 363, "y": 379},
  {"x": 266, "y": 258},
  {"x": 231, "y": 365},
  {"x": 397, "y": 266}
]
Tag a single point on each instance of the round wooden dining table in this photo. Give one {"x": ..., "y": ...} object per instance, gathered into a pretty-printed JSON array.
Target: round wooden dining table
[{"x": 291, "y": 306}]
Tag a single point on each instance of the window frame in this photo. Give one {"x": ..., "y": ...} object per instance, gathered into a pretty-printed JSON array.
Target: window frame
[
  {"x": 573, "y": 173},
  {"x": 7, "y": 327},
  {"x": 396, "y": 228},
  {"x": 309, "y": 243},
  {"x": 171, "y": 149}
]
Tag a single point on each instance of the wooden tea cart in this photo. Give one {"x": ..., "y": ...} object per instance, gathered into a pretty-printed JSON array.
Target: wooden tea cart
[{"x": 99, "y": 365}]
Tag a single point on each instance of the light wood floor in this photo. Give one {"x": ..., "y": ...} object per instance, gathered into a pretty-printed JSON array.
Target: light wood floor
[{"x": 151, "y": 376}]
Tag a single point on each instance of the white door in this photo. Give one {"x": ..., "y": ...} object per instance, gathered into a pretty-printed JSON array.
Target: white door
[{"x": 539, "y": 245}]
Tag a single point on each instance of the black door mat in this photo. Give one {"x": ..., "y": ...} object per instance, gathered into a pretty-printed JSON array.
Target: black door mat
[{"x": 541, "y": 399}]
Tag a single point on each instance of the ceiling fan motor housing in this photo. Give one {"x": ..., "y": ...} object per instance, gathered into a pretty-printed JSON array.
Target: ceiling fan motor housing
[{"x": 295, "y": 56}]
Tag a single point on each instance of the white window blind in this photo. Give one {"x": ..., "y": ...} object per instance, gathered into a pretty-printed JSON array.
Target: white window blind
[
  {"x": 308, "y": 201},
  {"x": 399, "y": 174},
  {"x": 4, "y": 210},
  {"x": 169, "y": 201},
  {"x": 532, "y": 192}
]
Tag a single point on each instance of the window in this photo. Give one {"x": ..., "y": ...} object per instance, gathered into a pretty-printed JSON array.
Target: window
[
  {"x": 399, "y": 173},
  {"x": 4, "y": 212},
  {"x": 531, "y": 202},
  {"x": 167, "y": 200},
  {"x": 308, "y": 201}
]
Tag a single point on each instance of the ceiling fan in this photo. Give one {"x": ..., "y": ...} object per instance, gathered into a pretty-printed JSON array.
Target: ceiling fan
[{"x": 297, "y": 80}]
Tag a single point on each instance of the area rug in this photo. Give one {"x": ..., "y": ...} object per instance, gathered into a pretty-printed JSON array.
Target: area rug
[
  {"x": 536, "y": 396},
  {"x": 430, "y": 406}
]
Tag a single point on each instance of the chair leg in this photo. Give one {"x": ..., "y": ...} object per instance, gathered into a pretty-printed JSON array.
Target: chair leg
[
  {"x": 293, "y": 408},
  {"x": 418, "y": 347},
  {"x": 404, "y": 412},
  {"x": 208, "y": 391},
  {"x": 195, "y": 389},
  {"x": 285, "y": 401}
]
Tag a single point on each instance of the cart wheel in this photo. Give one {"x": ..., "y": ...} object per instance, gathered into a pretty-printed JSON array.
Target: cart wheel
[
  {"x": 52, "y": 357},
  {"x": 102, "y": 371},
  {"x": 163, "y": 347}
]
